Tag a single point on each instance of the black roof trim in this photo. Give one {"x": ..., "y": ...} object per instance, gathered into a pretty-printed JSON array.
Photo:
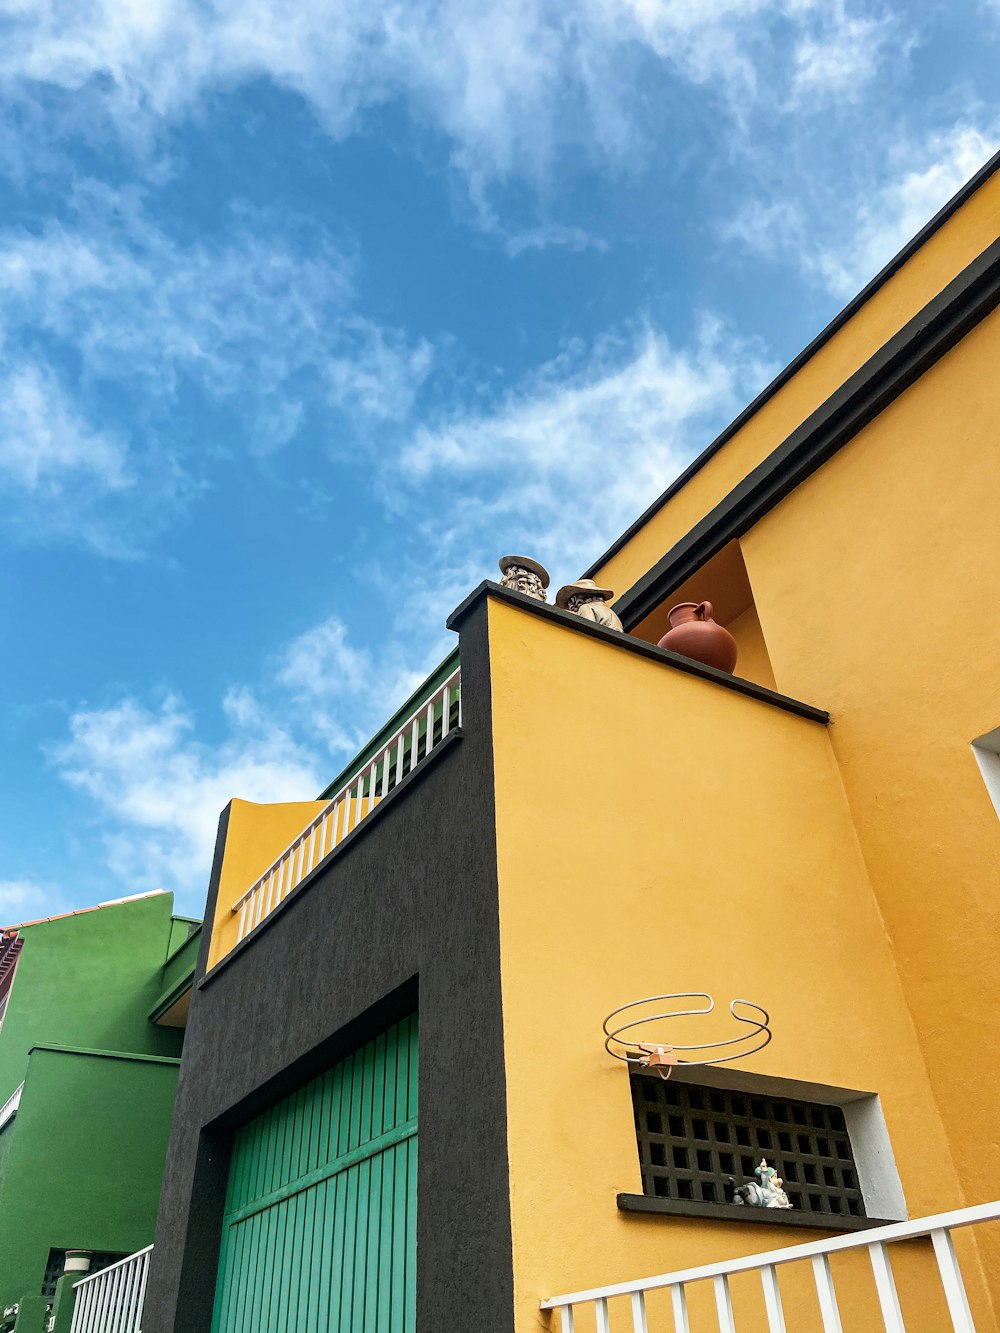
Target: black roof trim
[
  {"x": 941, "y": 324},
  {"x": 794, "y": 366},
  {"x": 616, "y": 639}
]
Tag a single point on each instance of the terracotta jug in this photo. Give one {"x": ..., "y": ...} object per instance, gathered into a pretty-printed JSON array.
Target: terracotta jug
[{"x": 695, "y": 634}]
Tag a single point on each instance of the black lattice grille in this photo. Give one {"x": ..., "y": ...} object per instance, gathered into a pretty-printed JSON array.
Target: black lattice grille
[
  {"x": 692, "y": 1139},
  {"x": 57, "y": 1263}
]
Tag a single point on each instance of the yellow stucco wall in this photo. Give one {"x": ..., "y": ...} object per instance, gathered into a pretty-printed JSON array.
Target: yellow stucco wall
[
  {"x": 658, "y": 832},
  {"x": 257, "y": 834},
  {"x": 752, "y": 661},
  {"x": 954, "y": 246},
  {"x": 878, "y": 586}
]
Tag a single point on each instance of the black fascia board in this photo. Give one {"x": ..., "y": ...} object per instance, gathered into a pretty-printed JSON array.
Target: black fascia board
[
  {"x": 943, "y": 322},
  {"x": 806, "y": 355},
  {"x": 616, "y": 639}
]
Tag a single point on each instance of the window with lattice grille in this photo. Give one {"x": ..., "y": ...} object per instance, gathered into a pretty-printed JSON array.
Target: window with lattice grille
[{"x": 692, "y": 1139}]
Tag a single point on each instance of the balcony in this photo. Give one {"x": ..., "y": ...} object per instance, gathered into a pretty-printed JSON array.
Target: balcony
[
  {"x": 935, "y": 1295},
  {"x": 403, "y": 744}
]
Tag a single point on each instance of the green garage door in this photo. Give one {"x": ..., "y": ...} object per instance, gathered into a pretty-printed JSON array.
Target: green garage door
[{"x": 319, "y": 1234}]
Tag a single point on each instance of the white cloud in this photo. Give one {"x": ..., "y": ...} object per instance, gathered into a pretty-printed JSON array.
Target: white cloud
[
  {"x": 160, "y": 790},
  {"x": 110, "y": 299},
  {"x": 242, "y": 317},
  {"x": 44, "y": 444},
  {"x": 25, "y": 900},
  {"x": 157, "y": 789},
  {"x": 884, "y": 223},
  {"x": 840, "y": 59},
  {"x": 565, "y": 461},
  {"x": 509, "y": 84},
  {"x": 842, "y": 236}
]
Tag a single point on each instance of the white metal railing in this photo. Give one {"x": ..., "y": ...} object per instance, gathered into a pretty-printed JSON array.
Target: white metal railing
[
  {"x": 111, "y": 1301},
  {"x": 630, "y": 1297},
  {"x": 9, "y": 1108},
  {"x": 426, "y": 727}
]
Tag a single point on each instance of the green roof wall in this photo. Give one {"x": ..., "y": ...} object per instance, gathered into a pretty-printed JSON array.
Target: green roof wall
[{"x": 90, "y": 980}]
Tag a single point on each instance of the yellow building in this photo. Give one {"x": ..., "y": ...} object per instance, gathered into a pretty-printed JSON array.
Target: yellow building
[{"x": 567, "y": 818}]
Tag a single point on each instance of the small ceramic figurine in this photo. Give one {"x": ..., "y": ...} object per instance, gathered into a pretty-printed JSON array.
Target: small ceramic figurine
[
  {"x": 766, "y": 1192},
  {"x": 589, "y": 601},
  {"x": 525, "y": 575}
]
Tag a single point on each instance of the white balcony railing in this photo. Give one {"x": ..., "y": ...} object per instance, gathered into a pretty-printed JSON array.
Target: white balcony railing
[
  {"x": 411, "y": 743},
  {"x": 9, "y": 1108},
  {"x": 627, "y": 1301},
  {"x": 111, "y": 1301}
]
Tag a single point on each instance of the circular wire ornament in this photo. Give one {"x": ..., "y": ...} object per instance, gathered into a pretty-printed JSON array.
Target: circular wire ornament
[{"x": 662, "y": 1056}]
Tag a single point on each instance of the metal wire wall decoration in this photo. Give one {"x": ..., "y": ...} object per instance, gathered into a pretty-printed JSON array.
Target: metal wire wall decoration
[{"x": 663, "y": 1057}]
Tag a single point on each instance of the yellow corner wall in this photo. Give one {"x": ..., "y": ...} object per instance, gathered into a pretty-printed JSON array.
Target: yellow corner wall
[
  {"x": 877, "y": 582},
  {"x": 952, "y": 248},
  {"x": 752, "y": 661},
  {"x": 257, "y": 834},
  {"x": 658, "y": 832}
]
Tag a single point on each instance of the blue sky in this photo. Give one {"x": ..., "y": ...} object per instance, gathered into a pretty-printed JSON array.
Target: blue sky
[{"x": 309, "y": 312}]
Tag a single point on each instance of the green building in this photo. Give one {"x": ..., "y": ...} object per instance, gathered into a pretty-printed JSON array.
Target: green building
[{"x": 92, "y": 1011}]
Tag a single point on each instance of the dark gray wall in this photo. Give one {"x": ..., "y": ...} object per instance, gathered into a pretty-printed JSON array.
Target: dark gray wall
[{"x": 405, "y": 913}]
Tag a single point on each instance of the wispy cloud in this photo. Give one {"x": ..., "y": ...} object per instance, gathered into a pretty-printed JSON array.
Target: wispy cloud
[
  {"x": 509, "y": 85},
  {"x": 568, "y": 458},
  {"x": 110, "y": 304},
  {"x": 935, "y": 170},
  {"x": 26, "y": 900},
  {"x": 841, "y": 57},
  {"x": 158, "y": 790},
  {"x": 843, "y": 244}
]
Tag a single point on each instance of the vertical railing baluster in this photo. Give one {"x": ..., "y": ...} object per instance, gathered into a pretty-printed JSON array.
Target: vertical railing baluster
[
  {"x": 639, "y": 1324},
  {"x": 242, "y": 928},
  {"x": 679, "y": 1306},
  {"x": 415, "y": 746},
  {"x": 723, "y": 1304},
  {"x": 429, "y": 743},
  {"x": 828, "y": 1307},
  {"x": 772, "y": 1300},
  {"x": 568, "y": 1322},
  {"x": 445, "y": 709},
  {"x": 951, "y": 1280},
  {"x": 124, "y": 1324},
  {"x": 140, "y": 1304},
  {"x": 601, "y": 1315},
  {"x": 885, "y": 1285}
]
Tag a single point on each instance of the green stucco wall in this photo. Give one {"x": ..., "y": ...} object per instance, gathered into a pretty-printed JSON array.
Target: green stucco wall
[
  {"x": 81, "y": 1162},
  {"x": 90, "y": 980}
]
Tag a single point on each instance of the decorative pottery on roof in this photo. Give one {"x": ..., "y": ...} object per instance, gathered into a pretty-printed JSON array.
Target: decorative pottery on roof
[
  {"x": 523, "y": 574},
  {"x": 586, "y": 599},
  {"x": 694, "y": 633}
]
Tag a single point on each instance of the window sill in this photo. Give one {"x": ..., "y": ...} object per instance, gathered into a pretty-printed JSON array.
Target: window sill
[{"x": 733, "y": 1212}]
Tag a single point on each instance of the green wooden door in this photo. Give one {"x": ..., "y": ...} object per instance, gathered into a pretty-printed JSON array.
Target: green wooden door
[{"x": 319, "y": 1234}]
